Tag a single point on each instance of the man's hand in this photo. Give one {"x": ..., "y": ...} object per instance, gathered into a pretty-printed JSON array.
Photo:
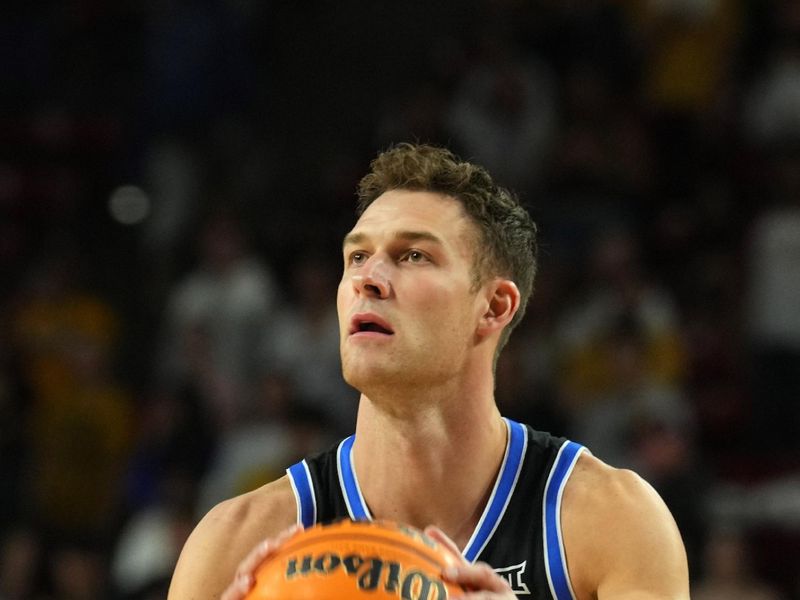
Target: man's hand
[
  {"x": 245, "y": 577},
  {"x": 479, "y": 578}
]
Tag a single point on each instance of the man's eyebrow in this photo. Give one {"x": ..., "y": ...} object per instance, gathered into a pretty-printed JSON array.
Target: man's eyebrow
[
  {"x": 417, "y": 236},
  {"x": 354, "y": 239}
]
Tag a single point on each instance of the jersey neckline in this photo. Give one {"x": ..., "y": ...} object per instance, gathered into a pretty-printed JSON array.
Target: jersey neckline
[{"x": 502, "y": 491}]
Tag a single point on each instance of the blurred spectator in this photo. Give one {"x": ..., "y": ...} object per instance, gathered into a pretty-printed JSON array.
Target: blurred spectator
[
  {"x": 620, "y": 289},
  {"x": 80, "y": 418},
  {"x": 774, "y": 305},
  {"x": 80, "y": 446},
  {"x": 773, "y": 106},
  {"x": 176, "y": 436},
  {"x": 717, "y": 381},
  {"x": 728, "y": 571},
  {"x": 602, "y": 157},
  {"x": 603, "y": 151},
  {"x": 303, "y": 343},
  {"x": 173, "y": 177},
  {"x": 280, "y": 431},
  {"x": 607, "y": 421},
  {"x": 215, "y": 318},
  {"x": 53, "y": 311},
  {"x": 602, "y": 170},
  {"x": 503, "y": 115},
  {"x": 689, "y": 48},
  {"x": 148, "y": 546}
]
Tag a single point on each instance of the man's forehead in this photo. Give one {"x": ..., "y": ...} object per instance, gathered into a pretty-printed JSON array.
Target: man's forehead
[{"x": 413, "y": 214}]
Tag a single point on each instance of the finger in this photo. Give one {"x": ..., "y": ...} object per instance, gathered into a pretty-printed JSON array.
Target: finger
[
  {"x": 284, "y": 535},
  {"x": 255, "y": 557},
  {"x": 238, "y": 588},
  {"x": 244, "y": 578},
  {"x": 263, "y": 550},
  {"x": 441, "y": 537},
  {"x": 478, "y": 577}
]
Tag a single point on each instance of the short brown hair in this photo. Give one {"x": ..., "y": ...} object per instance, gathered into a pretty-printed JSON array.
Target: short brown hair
[{"x": 506, "y": 230}]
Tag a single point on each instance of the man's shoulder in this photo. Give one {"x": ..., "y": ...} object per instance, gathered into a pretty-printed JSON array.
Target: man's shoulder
[
  {"x": 226, "y": 534},
  {"x": 257, "y": 508},
  {"x": 618, "y": 533},
  {"x": 597, "y": 485}
]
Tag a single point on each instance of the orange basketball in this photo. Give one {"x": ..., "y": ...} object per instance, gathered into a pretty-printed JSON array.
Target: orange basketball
[{"x": 347, "y": 559}]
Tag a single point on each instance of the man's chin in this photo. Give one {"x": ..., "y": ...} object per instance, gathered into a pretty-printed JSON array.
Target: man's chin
[{"x": 368, "y": 375}]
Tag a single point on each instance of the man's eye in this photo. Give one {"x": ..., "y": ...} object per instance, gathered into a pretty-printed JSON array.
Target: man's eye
[
  {"x": 358, "y": 258},
  {"x": 415, "y": 256}
]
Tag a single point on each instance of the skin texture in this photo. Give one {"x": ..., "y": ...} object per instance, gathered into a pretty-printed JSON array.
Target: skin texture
[{"x": 427, "y": 401}]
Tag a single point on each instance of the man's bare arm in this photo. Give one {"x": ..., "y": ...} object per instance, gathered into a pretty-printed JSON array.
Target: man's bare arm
[
  {"x": 620, "y": 539},
  {"x": 226, "y": 535}
]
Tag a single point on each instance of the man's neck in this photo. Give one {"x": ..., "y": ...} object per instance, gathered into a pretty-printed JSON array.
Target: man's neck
[{"x": 434, "y": 463}]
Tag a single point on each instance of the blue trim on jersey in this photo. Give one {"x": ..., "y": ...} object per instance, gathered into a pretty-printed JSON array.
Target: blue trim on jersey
[
  {"x": 300, "y": 477},
  {"x": 356, "y": 505},
  {"x": 555, "y": 559},
  {"x": 503, "y": 489}
]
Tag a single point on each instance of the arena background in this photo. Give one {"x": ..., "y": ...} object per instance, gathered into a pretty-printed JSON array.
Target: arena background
[{"x": 175, "y": 179}]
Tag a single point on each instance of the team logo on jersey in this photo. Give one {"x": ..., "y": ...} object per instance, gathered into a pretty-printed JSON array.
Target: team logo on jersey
[{"x": 513, "y": 575}]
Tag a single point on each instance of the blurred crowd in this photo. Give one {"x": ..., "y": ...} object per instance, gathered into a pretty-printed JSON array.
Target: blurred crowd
[{"x": 175, "y": 180}]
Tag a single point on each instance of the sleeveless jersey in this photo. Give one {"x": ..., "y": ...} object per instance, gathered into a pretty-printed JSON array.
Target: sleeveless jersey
[{"x": 519, "y": 532}]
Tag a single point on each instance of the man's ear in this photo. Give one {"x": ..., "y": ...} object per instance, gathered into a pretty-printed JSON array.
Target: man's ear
[{"x": 503, "y": 302}]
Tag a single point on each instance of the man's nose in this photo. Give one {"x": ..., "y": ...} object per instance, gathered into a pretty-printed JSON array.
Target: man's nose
[{"x": 373, "y": 279}]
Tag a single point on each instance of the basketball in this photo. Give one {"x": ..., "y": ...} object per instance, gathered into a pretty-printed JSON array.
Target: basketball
[{"x": 356, "y": 559}]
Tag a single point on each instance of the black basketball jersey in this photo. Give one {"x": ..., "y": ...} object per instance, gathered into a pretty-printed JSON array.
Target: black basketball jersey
[{"x": 519, "y": 533}]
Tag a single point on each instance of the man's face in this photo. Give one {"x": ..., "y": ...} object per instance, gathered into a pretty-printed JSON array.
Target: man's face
[{"x": 407, "y": 307}]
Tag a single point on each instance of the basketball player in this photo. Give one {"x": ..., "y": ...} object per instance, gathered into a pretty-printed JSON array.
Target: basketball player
[{"x": 437, "y": 272}]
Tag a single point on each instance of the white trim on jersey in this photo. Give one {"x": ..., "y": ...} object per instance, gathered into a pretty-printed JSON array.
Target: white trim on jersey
[
  {"x": 555, "y": 560},
  {"x": 295, "y": 477},
  {"x": 348, "y": 481}
]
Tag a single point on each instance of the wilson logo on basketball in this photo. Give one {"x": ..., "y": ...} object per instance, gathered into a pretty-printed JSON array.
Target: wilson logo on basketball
[{"x": 369, "y": 574}]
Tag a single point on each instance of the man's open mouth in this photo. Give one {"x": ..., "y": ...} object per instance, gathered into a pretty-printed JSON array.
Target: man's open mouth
[
  {"x": 373, "y": 327},
  {"x": 370, "y": 323}
]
